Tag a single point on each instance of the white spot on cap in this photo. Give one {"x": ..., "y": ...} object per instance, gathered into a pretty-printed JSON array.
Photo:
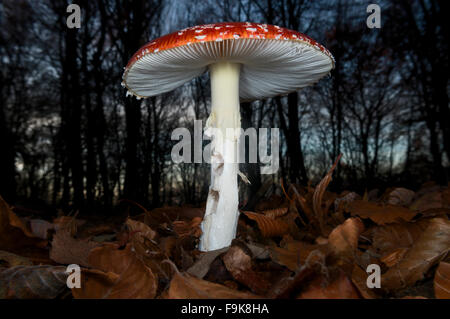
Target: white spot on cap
[
  {"x": 219, "y": 39},
  {"x": 198, "y": 31},
  {"x": 251, "y": 29},
  {"x": 200, "y": 37},
  {"x": 156, "y": 50},
  {"x": 180, "y": 33},
  {"x": 278, "y": 36},
  {"x": 236, "y": 36},
  {"x": 217, "y": 28}
]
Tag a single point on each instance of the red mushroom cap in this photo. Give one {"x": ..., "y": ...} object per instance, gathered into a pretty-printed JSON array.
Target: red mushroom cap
[{"x": 274, "y": 60}]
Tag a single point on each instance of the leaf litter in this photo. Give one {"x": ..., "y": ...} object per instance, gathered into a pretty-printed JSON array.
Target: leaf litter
[{"x": 297, "y": 242}]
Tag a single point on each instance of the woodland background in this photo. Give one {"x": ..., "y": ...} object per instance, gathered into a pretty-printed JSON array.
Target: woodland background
[{"x": 70, "y": 138}]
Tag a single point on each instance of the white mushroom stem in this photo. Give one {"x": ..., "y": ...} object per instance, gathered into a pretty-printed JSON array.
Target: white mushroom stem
[{"x": 223, "y": 126}]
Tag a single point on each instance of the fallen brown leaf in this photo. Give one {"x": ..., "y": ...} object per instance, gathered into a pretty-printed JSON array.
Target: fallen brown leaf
[
  {"x": 167, "y": 245},
  {"x": 201, "y": 267},
  {"x": 120, "y": 275},
  {"x": 380, "y": 213},
  {"x": 294, "y": 253},
  {"x": 430, "y": 200},
  {"x": 400, "y": 196},
  {"x": 238, "y": 261},
  {"x": 8, "y": 260},
  {"x": 318, "y": 197},
  {"x": 429, "y": 248},
  {"x": 32, "y": 282},
  {"x": 39, "y": 228},
  {"x": 442, "y": 281},
  {"x": 143, "y": 241},
  {"x": 184, "y": 286},
  {"x": 343, "y": 240},
  {"x": 359, "y": 279},
  {"x": 68, "y": 222},
  {"x": 274, "y": 213},
  {"x": 192, "y": 228},
  {"x": 394, "y": 257},
  {"x": 340, "y": 288},
  {"x": 14, "y": 234},
  {"x": 67, "y": 250},
  {"x": 95, "y": 284},
  {"x": 140, "y": 229},
  {"x": 289, "y": 286},
  {"x": 389, "y": 238},
  {"x": 269, "y": 227}
]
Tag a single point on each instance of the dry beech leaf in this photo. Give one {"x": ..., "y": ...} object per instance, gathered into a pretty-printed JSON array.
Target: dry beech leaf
[
  {"x": 274, "y": 213},
  {"x": 96, "y": 230},
  {"x": 184, "y": 286},
  {"x": 238, "y": 262},
  {"x": 32, "y": 282},
  {"x": 95, "y": 284},
  {"x": 294, "y": 253},
  {"x": 13, "y": 232},
  {"x": 68, "y": 222},
  {"x": 359, "y": 279},
  {"x": 379, "y": 213},
  {"x": 258, "y": 251},
  {"x": 318, "y": 196},
  {"x": 125, "y": 276},
  {"x": 289, "y": 286},
  {"x": 192, "y": 228},
  {"x": 40, "y": 228},
  {"x": 68, "y": 250},
  {"x": 137, "y": 227},
  {"x": 345, "y": 199},
  {"x": 431, "y": 200},
  {"x": 442, "y": 281},
  {"x": 269, "y": 227},
  {"x": 394, "y": 257},
  {"x": 141, "y": 237},
  {"x": 201, "y": 267},
  {"x": 168, "y": 245},
  {"x": 303, "y": 202},
  {"x": 8, "y": 260},
  {"x": 400, "y": 196},
  {"x": 274, "y": 201},
  {"x": 340, "y": 288},
  {"x": 429, "y": 248},
  {"x": 343, "y": 240},
  {"x": 389, "y": 238},
  {"x": 343, "y": 243}
]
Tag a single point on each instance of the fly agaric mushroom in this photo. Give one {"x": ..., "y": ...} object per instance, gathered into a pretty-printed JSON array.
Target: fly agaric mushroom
[{"x": 246, "y": 61}]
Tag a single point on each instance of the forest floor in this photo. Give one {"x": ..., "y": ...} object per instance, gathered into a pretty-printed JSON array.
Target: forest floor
[{"x": 306, "y": 243}]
